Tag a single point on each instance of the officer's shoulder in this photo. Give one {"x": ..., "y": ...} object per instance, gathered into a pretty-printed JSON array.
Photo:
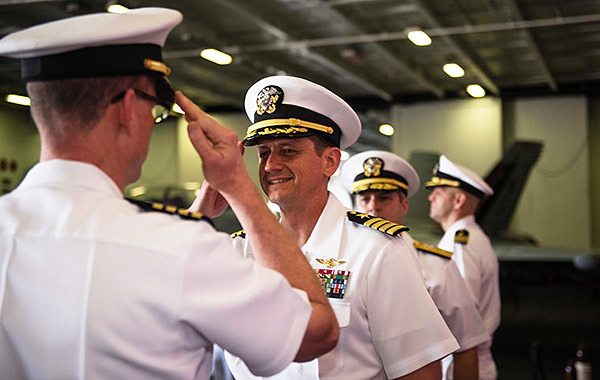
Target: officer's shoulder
[
  {"x": 240, "y": 234},
  {"x": 461, "y": 237},
  {"x": 170, "y": 209},
  {"x": 429, "y": 249},
  {"x": 379, "y": 224}
]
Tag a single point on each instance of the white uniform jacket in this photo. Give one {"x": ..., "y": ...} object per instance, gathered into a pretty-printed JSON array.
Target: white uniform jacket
[
  {"x": 478, "y": 265},
  {"x": 390, "y": 327},
  {"x": 92, "y": 287},
  {"x": 451, "y": 296}
]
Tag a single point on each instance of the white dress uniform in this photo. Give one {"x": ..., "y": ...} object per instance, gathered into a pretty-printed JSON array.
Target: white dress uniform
[
  {"x": 452, "y": 298},
  {"x": 390, "y": 327},
  {"x": 91, "y": 287},
  {"x": 478, "y": 265}
]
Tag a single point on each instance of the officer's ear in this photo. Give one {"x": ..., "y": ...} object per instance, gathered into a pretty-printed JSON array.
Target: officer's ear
[
  {"x": 331, "y": 160},
  {"x": 125, "y": 112},
  {"x": 459, "y": 199}
]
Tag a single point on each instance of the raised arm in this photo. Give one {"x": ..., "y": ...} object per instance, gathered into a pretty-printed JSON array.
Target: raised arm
[{"x": 225, "y": 171}]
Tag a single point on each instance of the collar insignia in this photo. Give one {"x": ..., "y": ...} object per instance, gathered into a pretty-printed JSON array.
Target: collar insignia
[
  {"x": 372, "y": 167},
  {"x": 267, "y": 99},
  {"x": 330, "y": 263}
]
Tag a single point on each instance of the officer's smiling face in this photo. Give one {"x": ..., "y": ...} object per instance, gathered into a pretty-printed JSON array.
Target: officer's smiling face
[{"x": 291, "y": 170}]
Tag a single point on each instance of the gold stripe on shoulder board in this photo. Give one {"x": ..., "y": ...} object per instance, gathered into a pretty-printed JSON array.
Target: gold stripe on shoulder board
[
  {"x": 461, "y": 237},
  {"x": 240, "y": 233},
  {"x": 379, "y": 224},
  {"x": 170, "y": 209},
  {"x": 426, "y": 248}
]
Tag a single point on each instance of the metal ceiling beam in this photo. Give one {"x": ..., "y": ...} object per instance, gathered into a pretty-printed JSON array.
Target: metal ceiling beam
[
  {"x": 423, "y": 81},
  {"x": 462, "y": 55},
  {"x": 534, "y": 47},
  {"x": 283, "y": 36}
]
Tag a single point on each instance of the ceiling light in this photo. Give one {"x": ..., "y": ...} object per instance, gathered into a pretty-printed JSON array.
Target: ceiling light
[
  {"x": 137, "y": 191},
  {"x": 18, "y": 99},
  {"x": 454, "y": 70},
  {"x": 386, "y": 129},
  {"x": 117, "y": 8},
  {"x": 216, "y": 56},
  {"x": 419, "y": 38},
  {"x": 475, "y": 91}
]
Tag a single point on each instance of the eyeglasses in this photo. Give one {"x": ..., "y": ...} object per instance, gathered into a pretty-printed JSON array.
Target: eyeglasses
[{"x": 160, "y": 111}]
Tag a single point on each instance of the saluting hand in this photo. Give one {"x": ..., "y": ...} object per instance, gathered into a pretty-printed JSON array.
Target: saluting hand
[{"x": 217, "y": 145}]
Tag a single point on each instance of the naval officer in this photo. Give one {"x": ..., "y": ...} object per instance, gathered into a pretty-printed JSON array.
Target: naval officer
[
  {"x": 389, "y": 326},
  {"x": 94, "y": 287},
  {"x": 456, "y": 192}
]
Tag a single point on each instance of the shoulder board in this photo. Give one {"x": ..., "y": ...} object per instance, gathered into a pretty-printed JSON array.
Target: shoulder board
[
  {"x": 240, "y": 233},
  {"x": 170, "y": 209},
  {"x": 379, "y": 224},
  {"x": 461, "y": 237},
  {"x": 426, "y": 248}
]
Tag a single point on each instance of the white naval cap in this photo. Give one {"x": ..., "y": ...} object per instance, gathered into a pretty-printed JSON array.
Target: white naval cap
[
  {"x": 96, "y": 45},
  {"x": 379, "y": 170},
  {"x": 286, "y": 106},
  {"x": 447, "y": 173}
]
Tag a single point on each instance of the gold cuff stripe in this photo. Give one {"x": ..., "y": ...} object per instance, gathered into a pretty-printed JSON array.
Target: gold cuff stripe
[
  {"x": 437, "y": 181},
  {"x": 371, "y": 183},
  {"x": 291, "y": 121},
  {"x": 160, "y": 67}
]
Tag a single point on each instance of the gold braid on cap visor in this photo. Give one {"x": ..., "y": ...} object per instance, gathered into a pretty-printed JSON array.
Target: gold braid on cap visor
[
  {"x": 296, "y": 125},
  {"x": 377, "y": 184},
  {"x": 437, "y": 181},
  {"x": 160, "y": 67}
]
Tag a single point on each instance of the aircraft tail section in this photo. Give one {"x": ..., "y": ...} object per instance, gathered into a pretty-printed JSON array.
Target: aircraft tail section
[{"x": 507, "y": 178}]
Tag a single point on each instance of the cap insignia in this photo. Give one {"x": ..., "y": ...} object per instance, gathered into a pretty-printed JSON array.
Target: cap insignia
[
  {"x": 372, "y": 167},
  {"x": 267, "y": 99},
  {"x": 330, "y": 263}
]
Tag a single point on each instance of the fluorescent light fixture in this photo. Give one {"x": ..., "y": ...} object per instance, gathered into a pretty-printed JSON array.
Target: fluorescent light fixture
[
  {"x": 453, "y": 70},
  {"x": 386, "y": 129},
  {"x": 419, "y": 38},
  {"x": 216, "y": 56},
  {"x": 137, "y": 191},
  {"x": 18, "y": 99},
  {"x": 117, "y": 8},
  {"x": 192, "y": 186},
  {"x": 345, "y": 155},
  {"x": 475, "y": 91}
]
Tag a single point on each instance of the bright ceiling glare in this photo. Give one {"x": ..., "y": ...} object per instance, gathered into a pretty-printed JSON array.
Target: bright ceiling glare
[
  {"x": 386, "y": 129},
  {"x": 216, "y": 56},
  {"x": 419, "y": 38},
  {"x": 453, "y": 70},
  {"x": 475, "y": 91},
  {"x": 18, "y": 99},
  {"x": 117, "y": 8}
]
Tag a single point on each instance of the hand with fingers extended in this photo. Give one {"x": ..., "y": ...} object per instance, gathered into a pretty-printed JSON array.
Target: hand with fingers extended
[
  {"x": 209, "y": 201},
  {"x": 217, "y": 145}
]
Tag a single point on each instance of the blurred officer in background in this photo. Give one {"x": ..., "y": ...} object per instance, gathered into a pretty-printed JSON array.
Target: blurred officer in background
[
  {"x": 455, "y": 195},
  {"x": 382, "y": 183}
]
